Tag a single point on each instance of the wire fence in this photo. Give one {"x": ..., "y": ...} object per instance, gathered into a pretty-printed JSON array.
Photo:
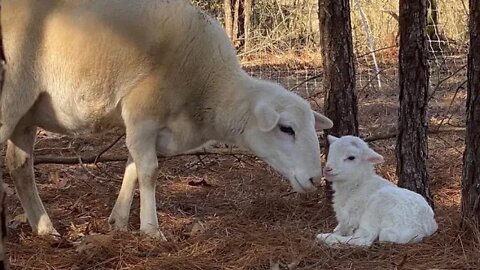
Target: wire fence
[{"x": 285, "y": 42}]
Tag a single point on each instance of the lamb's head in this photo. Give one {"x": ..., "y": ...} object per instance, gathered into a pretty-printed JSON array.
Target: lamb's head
[
  {"x": 349, "y": 158},
  {"x": 282, "y": 132}
]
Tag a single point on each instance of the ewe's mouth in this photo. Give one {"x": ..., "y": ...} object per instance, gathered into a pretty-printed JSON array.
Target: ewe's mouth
[{"x": 304, "y": 190}]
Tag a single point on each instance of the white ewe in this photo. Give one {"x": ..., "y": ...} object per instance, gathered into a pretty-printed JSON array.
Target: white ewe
[
  {"x": 163, "y": 71},
  {"x": 368, "y": 207}
]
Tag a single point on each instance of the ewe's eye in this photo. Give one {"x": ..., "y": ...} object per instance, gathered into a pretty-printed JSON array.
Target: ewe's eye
[
  {"x": 287, "y": 129},
  {"x": 351, "y": 158}
]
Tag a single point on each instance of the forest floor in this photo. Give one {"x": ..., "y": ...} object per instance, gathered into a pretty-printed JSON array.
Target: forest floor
[{"x": 234, "y": 212}]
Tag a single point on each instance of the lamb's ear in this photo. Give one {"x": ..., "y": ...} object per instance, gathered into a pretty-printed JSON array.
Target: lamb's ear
[
  {"x": 321, "y": 121},
  {"x": 331, "y": 139},
  {"x": 372, "y": 156},
  {"x": 267, "y": 118}
]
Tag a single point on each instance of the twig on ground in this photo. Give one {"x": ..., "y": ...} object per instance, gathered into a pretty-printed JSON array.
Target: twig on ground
[
  {"x": 451, "y": 102},
  {"x": 107, "y": 148},
  {"x": 114, "y": 158},
  {"x": 437, "y": 87}
]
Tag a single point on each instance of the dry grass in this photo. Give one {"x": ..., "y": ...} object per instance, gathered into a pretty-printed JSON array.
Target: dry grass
[{"x": 243, "y": 217}]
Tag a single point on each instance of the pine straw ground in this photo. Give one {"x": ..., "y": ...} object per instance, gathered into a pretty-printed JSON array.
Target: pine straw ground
[{"x": 225, "y": 212}]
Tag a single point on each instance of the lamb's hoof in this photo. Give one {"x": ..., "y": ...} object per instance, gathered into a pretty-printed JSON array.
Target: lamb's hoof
[
  {"x": 329, "y": 239},
  {"x": 322, "y": 237}
]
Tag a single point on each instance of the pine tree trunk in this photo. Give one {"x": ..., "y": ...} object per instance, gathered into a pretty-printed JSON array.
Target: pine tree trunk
[
  {"x": 3, "y": 222},
  {"x": 238, "y": 23},
  {"x": 338, "y": 64},
  {"x": 412, "y": 140},
  {"x": 471, "y": 156}
]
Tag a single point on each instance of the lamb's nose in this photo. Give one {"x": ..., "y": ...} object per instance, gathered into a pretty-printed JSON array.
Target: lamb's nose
[{"x": 328, "y": 169}]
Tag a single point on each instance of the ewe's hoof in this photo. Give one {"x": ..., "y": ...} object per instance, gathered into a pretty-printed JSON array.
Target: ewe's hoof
[
  {"x": 50, "y": 233},
  {"x": 116, "y": 224},
  {"x": 155, "y": 234}
]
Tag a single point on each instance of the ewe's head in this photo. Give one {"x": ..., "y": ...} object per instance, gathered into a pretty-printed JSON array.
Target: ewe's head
[
  {"x": 282, "y": 132},
  {"x": 349, "y": 158}
]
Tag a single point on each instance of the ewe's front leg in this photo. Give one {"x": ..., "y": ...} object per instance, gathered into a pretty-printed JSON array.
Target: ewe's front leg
[
  {"x": 141, "y": 142},
  {"x": 20, "y": 165},
  {"x": 118, "y": 219}
]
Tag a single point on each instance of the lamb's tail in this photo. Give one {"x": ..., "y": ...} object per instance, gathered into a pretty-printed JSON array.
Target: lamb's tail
[{"x": 430, "y": 226}]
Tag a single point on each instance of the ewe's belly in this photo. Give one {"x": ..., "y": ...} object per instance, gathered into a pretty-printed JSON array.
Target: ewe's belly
[{"x": 73, "y": 116}]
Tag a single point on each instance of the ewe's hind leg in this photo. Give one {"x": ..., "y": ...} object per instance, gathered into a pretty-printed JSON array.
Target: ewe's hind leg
[
  {"x": 19, "y": 161},
  {"x": 141, "y": 142},
  {"x": 15, "y": 101},
  {"x": 118, "y": 219}
]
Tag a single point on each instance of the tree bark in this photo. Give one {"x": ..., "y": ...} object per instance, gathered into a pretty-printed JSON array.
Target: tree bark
[
  {"x": 338, "y": 64},
  {"x": 234, "y": 21},
  {"x": 3, "y": 210},
  {"x": 228, "y": 20},
  {"x": 412, "y": 140},
  {"x": 248, "y": 9},
  {"x": 471, "y": 157}
]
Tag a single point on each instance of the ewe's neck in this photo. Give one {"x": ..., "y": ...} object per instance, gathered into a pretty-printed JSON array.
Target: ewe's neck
[{"x": 231, "y": 109}]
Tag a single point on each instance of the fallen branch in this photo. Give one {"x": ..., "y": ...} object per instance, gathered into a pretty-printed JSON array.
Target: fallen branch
[
  {"x": 390, "y": 135},
  {"x": 113, "y": 158},
  {"x": 203, "y": 152}
]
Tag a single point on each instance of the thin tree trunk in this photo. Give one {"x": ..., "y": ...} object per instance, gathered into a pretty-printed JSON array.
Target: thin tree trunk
[
  {"x": 236, "y": 15},
  {"x": 238, "y": 24},
  {"x": 227, "y": 10},
  {"x": 471, "y": 157},
  {"x": 3, "y": 210},
  {"x": 433, "y": 30},
  {"x": 248, "y": 9},
  {"x": 412, "y": 140},
  {"x": 339, "y": 69}
]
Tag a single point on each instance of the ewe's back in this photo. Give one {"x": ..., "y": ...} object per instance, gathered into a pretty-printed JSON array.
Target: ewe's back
[{"x": 118, "y": 41}]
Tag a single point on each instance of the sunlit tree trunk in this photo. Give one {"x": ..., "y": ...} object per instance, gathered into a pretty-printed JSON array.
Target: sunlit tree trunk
[
  {"x": 228, "y": 19},
  {"x": 248, "y": 10},
  {"x": 3, "y": 224}
]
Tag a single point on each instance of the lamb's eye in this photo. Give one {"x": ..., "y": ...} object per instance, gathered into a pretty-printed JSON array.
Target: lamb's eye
[
  {"x": 351, "y": 158},
  {"x": 287, "y": 129}
]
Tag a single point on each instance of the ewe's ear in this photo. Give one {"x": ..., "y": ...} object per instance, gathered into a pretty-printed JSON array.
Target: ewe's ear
[
  {"x": 372, "y": 156},
  {"x": 267, "y": 118},
  {"x": 321, "y": 121}
]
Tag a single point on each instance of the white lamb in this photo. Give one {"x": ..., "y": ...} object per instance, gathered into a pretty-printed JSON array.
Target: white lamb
[{"x": 367, "y": 206}]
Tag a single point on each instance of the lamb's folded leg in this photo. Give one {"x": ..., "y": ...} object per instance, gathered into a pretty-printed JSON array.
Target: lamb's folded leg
[{"x": 361, "y": 237}]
